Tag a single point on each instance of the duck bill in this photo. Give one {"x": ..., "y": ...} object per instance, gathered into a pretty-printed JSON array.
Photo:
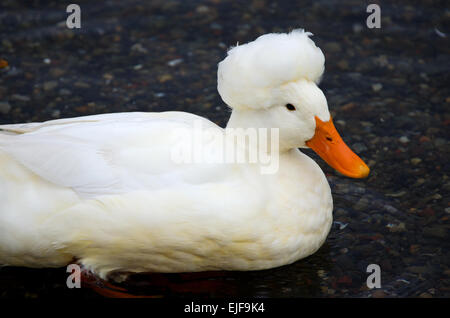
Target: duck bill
[{"x": 328, "y": 144}]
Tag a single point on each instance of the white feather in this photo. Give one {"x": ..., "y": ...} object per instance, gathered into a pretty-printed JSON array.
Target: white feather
[
  {"x": 104, "y": 190},
  {"x": 251, "y": 73}
]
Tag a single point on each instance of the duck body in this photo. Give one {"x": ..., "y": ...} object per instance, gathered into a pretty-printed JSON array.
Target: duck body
[
  {"x": 107, "y": 191},
  {"x": 131, "y": 209}
]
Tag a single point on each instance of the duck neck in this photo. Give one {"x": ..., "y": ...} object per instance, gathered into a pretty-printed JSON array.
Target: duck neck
[
  {"x": 253, "y": 123},
  {"x": 238, "y": 119}
]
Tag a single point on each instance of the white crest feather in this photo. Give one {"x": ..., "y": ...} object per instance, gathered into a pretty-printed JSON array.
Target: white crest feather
[{"x": 249, "y": 76}]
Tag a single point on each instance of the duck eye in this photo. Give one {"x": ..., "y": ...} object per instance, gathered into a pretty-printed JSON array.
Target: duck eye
[{"x": 290, "y": 107}]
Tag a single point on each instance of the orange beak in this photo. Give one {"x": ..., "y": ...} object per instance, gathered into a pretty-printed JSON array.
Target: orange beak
[{"x": 330, "y": 147}]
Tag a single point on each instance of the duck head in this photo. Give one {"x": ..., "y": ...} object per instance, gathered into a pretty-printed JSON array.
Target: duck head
[{"x": 272, "y": 83}]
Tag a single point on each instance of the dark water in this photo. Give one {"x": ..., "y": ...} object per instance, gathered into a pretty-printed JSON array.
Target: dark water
[{"x": 388, "y": 91}]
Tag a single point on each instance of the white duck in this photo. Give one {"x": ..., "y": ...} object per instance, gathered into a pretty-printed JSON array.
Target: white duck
[{"x": 103, "y": 189}]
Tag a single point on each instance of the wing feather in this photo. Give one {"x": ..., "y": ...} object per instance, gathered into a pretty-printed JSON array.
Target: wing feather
[{"x": 106, "y": 154}]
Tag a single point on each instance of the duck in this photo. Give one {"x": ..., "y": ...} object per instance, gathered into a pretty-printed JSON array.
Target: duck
[{"x": 106, "y": 191}]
